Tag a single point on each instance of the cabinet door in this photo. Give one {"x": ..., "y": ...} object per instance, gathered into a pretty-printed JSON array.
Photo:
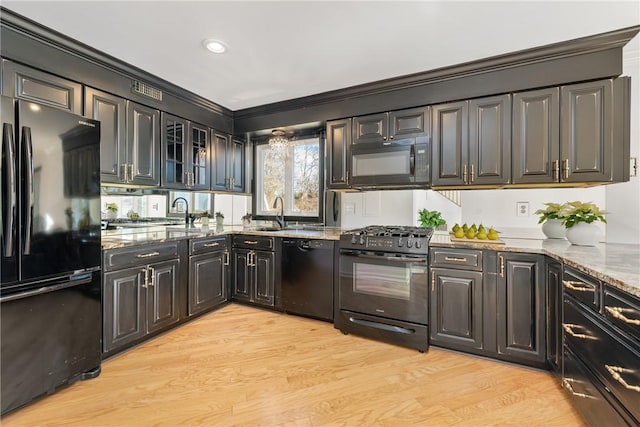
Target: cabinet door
[
  {"x": 219, "y": 172},
  {"x": 235, "y": 159},
  {"x": 143, "y": 144},
  {"x": 242, "y": 275},
  {"x": 586, "y": 136},
  {"x": 123, "y": 309},
  {"x": 456, "y": 308},
  {"x": 338, "y": 141},
  {"x": 34, "y": 85},
  {"x": 264, "y": 278},
  {"x": 207, "y": 281},
  {"x": 408, "y": 123},
  {"x": 175, "y": 155},
  {"x": 554, "y": 314},
  {"x": 199, "y": 152},
  {"x": 490, "y": 140},
  {"x": 110, "y": 111},
  {"x": 162, "y": 295},
  {"x": 521, "y": 314},
  {"x": 536, "y": 136},
  {"x": 450, "y": 143},
  {"x": 373, "y": 128}
]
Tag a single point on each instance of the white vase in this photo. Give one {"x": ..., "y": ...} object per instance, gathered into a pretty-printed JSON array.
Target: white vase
[
  {"x": 553, "y": 229},
  {"x": 584, "y": 234},
  {"x": 112, "y": 214}
]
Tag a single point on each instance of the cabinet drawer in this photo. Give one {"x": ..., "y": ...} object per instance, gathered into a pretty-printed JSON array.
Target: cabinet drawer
[
  {"x": 208, "y": 244},
  {"x": 464, "y": 259},
  {"x": 253, "y": 242},
  {"x": 582, "y": 287},
  {"x": 622, "y": 310},
  {"x": 613, "y": 359},
  {"x": 139, "y": 255},
  {"x": 587, "y": 398}
]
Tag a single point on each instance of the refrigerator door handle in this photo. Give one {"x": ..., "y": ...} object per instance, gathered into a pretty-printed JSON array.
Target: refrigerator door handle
[
  {"x": 28, "y": 194},
  {"x": 9, "y": 150}
]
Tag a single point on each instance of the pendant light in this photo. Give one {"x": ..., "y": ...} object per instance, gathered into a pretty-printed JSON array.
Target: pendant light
[{"x": 278, "y": 140}]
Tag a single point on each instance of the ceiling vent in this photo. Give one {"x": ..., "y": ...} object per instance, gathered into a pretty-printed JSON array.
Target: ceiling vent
[{"x": 146, "y": 90}]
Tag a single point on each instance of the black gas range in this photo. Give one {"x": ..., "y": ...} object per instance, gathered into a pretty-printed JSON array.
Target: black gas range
[{"x": 383, "y": 290}]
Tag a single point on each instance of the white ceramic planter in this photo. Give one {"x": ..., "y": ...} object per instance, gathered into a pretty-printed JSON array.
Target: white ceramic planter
[
  {"x": 584, "y": 234},
  {"x": 553, "y": 229}
]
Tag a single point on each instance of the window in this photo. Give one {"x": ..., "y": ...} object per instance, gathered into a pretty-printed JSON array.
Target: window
[{"x": 294, "y": 174}]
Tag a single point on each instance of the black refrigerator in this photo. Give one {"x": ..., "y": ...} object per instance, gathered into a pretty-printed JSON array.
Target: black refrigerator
[{"x": 50, "y": 321}]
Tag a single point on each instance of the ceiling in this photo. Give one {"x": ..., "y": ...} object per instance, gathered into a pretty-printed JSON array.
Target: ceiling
[{"x": 288, "y": 49}]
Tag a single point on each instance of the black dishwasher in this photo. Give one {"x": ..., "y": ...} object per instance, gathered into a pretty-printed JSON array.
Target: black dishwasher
[{"x": 307, "y": 277}]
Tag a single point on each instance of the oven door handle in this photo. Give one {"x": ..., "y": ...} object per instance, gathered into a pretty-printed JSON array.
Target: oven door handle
[{"x": 387, "y": 258}]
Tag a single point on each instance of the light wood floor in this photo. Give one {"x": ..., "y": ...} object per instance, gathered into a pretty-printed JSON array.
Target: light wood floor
[{"x": 245, "y": 366}]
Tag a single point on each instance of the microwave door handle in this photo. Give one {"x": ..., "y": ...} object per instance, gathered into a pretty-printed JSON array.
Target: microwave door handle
[
  {"x": 28, "y": 194},
  {"x": 9, "y": 216},
  {"x": 412, "y": 160},
  {"x": 388, "y": 258}
]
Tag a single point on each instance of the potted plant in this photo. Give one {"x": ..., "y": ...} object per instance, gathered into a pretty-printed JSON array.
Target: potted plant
[
  {"x": 551, "y": 220},
  {"x": 219, "y": 218},
  {"x": 579, "y": 220},
  {"x": 431, "y": 219},
  {"x": 112, "y": 210}
]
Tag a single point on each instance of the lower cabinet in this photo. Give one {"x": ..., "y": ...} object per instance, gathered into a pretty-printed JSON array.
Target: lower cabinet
[
  {"x": 256, "y": 277},
  {"x": 521, "y": 293},
  {"x": 142, "y": 298},
  {"x": 208, "y": 274},
  {"x": 554, "y": 314}
]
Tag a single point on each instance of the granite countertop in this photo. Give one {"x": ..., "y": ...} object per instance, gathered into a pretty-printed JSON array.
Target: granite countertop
[
  {"x": 616, "y": 264},
  {"x": 124, "y": 237}
]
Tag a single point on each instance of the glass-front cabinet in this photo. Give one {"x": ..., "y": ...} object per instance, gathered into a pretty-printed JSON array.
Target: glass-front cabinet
[{"x": 186, "y": 154}]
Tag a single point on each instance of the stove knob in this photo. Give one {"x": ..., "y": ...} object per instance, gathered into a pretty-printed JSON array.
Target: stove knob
[
  {"x": 409, "y": 243},
  {"x": 362, "y": 240},
  {"x": 400, "y": 243},
  {"x": 418, "y": 244}
]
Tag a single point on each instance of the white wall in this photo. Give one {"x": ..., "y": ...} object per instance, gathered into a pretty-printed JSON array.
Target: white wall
[
  {"x": 393, "y": 207},
  {"x": 233, "y": 207}
]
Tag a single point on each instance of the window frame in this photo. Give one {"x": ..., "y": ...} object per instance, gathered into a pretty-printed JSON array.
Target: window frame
[{"x": 321, "y": 184}]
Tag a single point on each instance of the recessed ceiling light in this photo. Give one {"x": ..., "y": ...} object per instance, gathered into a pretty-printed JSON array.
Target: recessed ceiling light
[{"x": 215, "y": 46}]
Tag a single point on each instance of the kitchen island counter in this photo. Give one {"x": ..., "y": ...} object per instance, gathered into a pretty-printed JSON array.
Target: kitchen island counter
[{"x": 613, "y": 263}]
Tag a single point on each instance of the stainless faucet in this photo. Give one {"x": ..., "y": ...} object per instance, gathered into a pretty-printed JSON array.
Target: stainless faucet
[
  {"x": 280, "y": 216},
  {"x": 186, "y": 214}
]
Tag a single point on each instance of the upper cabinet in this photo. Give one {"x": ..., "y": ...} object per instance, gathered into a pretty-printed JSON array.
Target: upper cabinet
[
  {"x": 129, "y": 139},
  {"x": 33, "y": 85},
  {"x": 385, "y": 128},
  {"x": 110, "y": 110},
  {"x": 472, "y": 142},
  {"x": 338, "y": 142},
  {"x": 573, "y": 134},
  {"x": 228, "y": 163},
  {"x": 185, "y": 154}
]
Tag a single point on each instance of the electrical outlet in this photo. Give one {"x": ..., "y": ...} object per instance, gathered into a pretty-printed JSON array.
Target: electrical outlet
[{"x": 522, "y": 208}]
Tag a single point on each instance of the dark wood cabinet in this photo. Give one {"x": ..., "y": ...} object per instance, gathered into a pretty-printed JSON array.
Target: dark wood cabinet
[
  {"x": 227, "y": 163},
  {"x": 450, "y": 144},
  {"x": 110, "y": 110},
  {"x": 472, "y": 142},
  {"x": 385, "y": 128},
  {"x": 338, "y": 152},
  {"x": 21, "y": 82},
  {"x": 140, "y": 293},
  {"x": 373, "y": 128},
  {"x": 254, "y": 267},
  {"x": 208, "y": 274},
  {"x": 554, "y": 314},
  {"x": 536, "y": 136},
  {"x": 521, "y": 307},
  {"x": 456, "y": 308},
  {"x": 143, "y": 145}
]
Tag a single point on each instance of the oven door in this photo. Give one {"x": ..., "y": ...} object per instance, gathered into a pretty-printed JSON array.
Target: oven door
[{"x": 387, "y": 285}]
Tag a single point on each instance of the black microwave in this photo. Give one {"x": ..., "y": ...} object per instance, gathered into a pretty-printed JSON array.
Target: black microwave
[{"x": 401, "y": 163}]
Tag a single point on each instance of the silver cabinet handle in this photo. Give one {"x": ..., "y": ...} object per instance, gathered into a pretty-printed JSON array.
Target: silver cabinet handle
[
  {"x": 455, "y": 259},
  {"x": 472, "y": 173},
  {"x": 210, "y": 245},
  {"x": 501, "y": 266},
  {"x": 146, "y": 277},
  {"x": 556, "y": 170},
  {"x": 125, "y": 171},
  {"x": 617, "y": 312},
  {"x": 566, "y": 383},
  {"x": 615, "y": 372},
  {"x": 132, "y": 171},
  {"x": 565, "y": 168},
  {"x": 464, "y": 174},
  {"x": 225, "y": 258},
  {"x": 152, "y": 275},
  {"x": 568, "y": 328},
  {"x": 148, "y": 255},
  {"x": 251, "y": 242}
]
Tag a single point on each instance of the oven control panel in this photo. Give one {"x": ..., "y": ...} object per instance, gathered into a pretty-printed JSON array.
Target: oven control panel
[{"x": 380, "y": 243}]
